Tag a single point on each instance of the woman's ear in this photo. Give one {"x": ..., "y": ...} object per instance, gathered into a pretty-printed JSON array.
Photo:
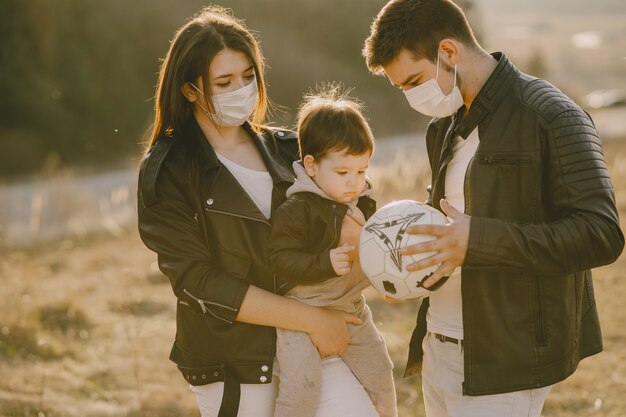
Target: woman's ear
[
  {"x": 188, "y": 92},
  {"x": 309, "y": 165}
]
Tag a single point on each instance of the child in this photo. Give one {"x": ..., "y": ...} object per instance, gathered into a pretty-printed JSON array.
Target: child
[{"x": 336, "y": 145}]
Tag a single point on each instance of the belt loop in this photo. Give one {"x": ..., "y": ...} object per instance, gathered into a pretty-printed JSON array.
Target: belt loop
[{"x": 232, "y": 393}]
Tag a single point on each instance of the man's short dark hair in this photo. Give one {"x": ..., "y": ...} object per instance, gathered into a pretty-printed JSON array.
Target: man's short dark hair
[{"x": 417, "y": 26}]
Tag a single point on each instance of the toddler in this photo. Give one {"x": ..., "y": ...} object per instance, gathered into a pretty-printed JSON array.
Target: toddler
[{"x": 336, "y": 145}]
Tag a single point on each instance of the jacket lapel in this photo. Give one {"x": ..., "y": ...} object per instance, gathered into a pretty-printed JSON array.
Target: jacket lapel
[
  {"x": 226, "y": 195},
  {"x": 281, "y": 174},
  {"x": 275, "y": 165}
]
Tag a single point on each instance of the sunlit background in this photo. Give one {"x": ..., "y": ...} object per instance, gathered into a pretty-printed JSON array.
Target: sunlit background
[{"x": 86, "y": 320}]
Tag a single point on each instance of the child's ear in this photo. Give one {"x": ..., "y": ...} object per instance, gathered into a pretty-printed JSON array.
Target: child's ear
[{"x": 309, "y": 165}]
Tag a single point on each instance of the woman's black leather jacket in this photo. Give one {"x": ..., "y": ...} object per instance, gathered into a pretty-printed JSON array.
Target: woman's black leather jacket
[{"x": 211, "y": 241}]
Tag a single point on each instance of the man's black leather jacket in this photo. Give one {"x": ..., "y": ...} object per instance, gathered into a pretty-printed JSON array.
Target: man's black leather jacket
[
  {"x": 542, "y": 213},
  {"x": 211, "y": 241}
]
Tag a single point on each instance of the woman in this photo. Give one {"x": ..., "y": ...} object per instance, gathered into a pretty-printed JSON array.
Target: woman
[{"x": 210, "y": 179}]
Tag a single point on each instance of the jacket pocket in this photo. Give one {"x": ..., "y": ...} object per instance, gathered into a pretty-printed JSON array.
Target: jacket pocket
[
  {"x": 234, "y": 263},
  {"x": 505, "y": 159},
  {"x": 510, "y": 182}
]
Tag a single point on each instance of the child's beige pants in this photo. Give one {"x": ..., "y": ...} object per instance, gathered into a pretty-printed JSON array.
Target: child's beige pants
[{"x": 299, "y": 369}]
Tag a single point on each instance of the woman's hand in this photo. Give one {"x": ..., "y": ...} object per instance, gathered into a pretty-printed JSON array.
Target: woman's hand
[
  {"x": 350, "y": 234},
  {"x": 329, "y": 332},
  {"x": 327, "y": 328}
]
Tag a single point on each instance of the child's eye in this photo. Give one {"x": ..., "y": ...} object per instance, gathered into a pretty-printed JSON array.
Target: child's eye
[
  {"x": 342, "y": 172},
  {"x": 361, "y": 172},
  {"x": 226, "y": 84},
  {"x": 249, "y": 76}
]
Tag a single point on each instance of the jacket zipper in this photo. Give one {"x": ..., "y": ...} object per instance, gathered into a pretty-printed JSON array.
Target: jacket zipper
[
  {"x": 277, "y": 289},
  {"x": 467, "y": 198},
  {"x": 204, "y": 307},
  {"x": 541, "y": 331},
  {"x": 237, "y": 215}
]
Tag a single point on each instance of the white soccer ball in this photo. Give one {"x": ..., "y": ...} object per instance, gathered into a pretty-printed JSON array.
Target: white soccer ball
[{"x": 382, "y": 237}]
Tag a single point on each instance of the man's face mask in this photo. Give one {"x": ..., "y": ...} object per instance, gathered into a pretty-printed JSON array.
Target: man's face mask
[
  {"x": 428, "y": 99},
  {"x": 235, "y": 107}
]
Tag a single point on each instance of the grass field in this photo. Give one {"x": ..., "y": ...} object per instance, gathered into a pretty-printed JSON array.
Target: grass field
[{"x": 86, "y": 326}]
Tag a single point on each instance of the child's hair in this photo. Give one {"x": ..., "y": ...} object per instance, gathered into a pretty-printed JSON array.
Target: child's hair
[{"x": 330, "y": 120}]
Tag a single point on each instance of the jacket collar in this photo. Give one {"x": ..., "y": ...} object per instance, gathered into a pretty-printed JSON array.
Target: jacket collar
[
  {"x": 277, "y": 168},
  {"x": 489, "y": 97},
  {"x": 278, "y": 171},
  {"x": 227, "y": 195}
]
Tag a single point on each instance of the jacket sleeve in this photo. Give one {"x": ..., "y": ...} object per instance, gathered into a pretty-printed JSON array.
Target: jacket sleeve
[
  {"x": 585, "y": 232},
  {"x": 167, "y": 226},
  {"x": 289, "y": 257}
]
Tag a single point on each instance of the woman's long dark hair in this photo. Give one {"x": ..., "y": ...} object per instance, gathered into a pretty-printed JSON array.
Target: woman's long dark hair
[{"x": 191, "y": 52}]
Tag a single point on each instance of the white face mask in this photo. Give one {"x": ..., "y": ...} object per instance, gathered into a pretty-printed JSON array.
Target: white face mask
[
  {"x": 235, "y": 107},
  {"x": 428, "y": 99}
]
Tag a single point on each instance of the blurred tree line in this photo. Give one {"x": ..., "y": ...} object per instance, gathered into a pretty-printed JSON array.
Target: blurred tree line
[{"x": 77, "y": 76}]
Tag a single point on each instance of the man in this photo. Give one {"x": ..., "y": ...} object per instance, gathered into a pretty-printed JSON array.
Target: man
[{"x": 518, "y": 167}]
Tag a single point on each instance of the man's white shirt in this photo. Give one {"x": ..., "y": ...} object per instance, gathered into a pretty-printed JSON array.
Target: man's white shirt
[{"x": 445, "y": 314}]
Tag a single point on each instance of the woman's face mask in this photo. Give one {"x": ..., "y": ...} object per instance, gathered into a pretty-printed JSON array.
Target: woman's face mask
[
  {"x": 235, "y": 107},
  {"x": 428, "y": 99}
]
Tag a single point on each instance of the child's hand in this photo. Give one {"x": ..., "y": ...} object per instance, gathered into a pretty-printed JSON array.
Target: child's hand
[{"x": 340, "y": 259}]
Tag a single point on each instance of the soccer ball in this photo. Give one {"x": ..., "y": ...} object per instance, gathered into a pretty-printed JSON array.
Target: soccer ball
[{"x": 382, "y": 237}]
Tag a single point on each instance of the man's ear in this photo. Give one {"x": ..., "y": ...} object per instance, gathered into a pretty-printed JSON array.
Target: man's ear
[
  {"x": 188, "y": 92},
  {"x": 450, "y": 49},
  {"x": 309, "y": 165}
]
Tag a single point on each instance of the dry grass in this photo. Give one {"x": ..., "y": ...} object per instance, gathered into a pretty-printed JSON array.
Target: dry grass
[
  {"x": 86, "y": 326},
  {"x": 86, "y": 330}
]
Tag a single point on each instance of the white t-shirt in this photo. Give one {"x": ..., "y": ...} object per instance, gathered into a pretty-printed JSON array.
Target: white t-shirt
[
  {"x": 445, "y": 315},
  {"x": 258, "y": 184}
]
